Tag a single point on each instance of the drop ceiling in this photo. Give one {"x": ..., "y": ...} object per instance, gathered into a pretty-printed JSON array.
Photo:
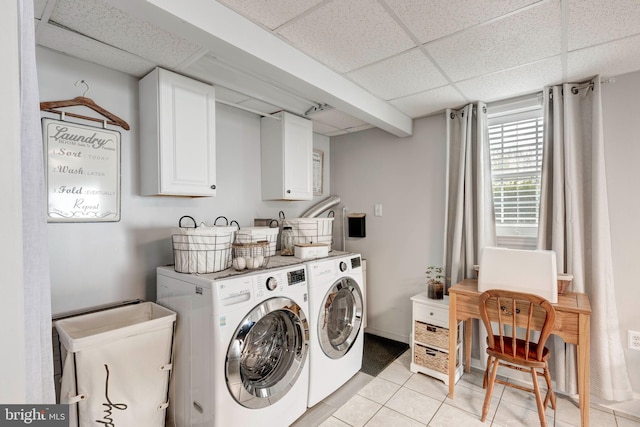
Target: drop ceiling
[{"x": 352, "y": 64}]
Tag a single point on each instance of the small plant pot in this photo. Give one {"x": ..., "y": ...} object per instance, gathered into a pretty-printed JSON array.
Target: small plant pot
[{"x": 435, "y": 290}]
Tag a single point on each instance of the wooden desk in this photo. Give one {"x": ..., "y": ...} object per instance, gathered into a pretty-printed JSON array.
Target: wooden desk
[{"x": 573, "y": 316}]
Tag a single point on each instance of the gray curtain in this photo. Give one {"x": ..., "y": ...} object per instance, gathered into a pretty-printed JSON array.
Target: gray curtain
[
  {"x": 574, "y": 222},
  {"x": 469, "y": 216},
  {"x": 37, "y": 289}
]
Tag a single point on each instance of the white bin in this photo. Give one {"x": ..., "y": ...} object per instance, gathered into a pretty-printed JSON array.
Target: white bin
[{"x": 117, "y": 365}]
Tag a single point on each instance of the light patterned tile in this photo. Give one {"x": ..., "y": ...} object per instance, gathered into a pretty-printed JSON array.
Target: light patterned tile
[
  {"x": 334, "y": 422},
  {"x": 474, "y": 381},
  {"x": 387, "y": 417},
  {"x": 357, "y": 411},
  {"x": 625, "y": 422},
  {"x": 379, "y": 390},
  {"x": 449, "y": 416},
  {"x": 414, "y": 405},
  {"x": 404, "y": 359},
  {"x": 471, "y": 401},
  {"x": 348, "y": 389},
  {"x": 511, "y": 415},
  {"x": 396, "y": 373},
  {"x": 314, "y": 416},
  {"x": 428, "y": 386}
]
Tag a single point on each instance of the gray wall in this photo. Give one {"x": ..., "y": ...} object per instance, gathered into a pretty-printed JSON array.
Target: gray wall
[
  {"x": 99, "y": 263},
  {"x": 406, "y": 175}
]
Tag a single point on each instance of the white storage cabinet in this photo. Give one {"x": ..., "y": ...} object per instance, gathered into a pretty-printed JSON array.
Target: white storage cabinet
[
  {"x": 177, "y": 135},
  {"x": 430, "y": 338},
  {"x": 286, "y": 157}
]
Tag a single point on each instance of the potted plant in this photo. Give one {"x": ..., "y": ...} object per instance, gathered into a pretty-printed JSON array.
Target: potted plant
[{"x": 435, "y": 282}]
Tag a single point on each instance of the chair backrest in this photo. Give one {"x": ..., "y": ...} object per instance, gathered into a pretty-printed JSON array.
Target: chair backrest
[{"x": 516, "y": 310}]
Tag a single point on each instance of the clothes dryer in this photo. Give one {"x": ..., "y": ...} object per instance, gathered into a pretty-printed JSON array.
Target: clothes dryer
[
  {"x": 335, "y": 329},
  {"x": 241, "y": 353}
]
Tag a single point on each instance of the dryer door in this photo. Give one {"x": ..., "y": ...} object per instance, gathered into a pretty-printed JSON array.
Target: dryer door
[
  {"x": 267, "y": 353},
  {"x": 340, "y": 318}
]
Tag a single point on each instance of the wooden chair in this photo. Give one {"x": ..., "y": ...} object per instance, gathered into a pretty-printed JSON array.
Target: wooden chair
[{"x": 511, "y": 312}]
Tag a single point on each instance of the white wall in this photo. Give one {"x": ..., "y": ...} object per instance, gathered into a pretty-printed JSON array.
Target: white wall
[
  {"x": 406, "y": 176},
  {"x": 99, "y": 263},
  {"x": 622, "y": 150}
]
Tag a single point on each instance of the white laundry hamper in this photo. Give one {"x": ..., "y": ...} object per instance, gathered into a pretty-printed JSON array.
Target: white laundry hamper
[{"x": 117, "y": 365}]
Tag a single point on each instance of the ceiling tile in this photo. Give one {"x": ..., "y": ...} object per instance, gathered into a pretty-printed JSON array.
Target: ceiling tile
[
  {"x": 100, "y": 21},
  {"x": 429, "y": 102},
  {"x": 593, "y": 21},
  {"x": 271, "y": 14},
  {"x": 431, "y": 19},
  {"x": 346, "y": 35},
  {"x": 513, "y": 82},
  {"x": 90, "y": 50},
  {"x": 609, "y": 59},
  {"x": 521, "y": 38},
  {"x": 417, "y": 71}
]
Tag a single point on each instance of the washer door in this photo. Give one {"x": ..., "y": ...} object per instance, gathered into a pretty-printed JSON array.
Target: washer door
[
  {"x": 267, "y": 353},
  {"x": 340, "y": 318}
]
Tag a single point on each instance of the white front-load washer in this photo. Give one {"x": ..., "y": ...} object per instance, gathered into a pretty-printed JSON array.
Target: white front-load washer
[
  {"x": 335, "y": 329},
  {"x": 241, "y": 347}
]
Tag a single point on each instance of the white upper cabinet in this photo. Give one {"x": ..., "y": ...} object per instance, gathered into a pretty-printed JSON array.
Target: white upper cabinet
[
  {"x": 177, "y": 135},
  {"x": 287, "y": 156}
]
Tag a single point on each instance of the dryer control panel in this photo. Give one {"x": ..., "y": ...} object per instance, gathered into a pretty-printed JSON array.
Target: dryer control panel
[{"x": 296, "y": 276}]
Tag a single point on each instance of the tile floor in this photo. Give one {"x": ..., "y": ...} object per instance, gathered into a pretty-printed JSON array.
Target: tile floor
[{"x": 397, "y": 398}]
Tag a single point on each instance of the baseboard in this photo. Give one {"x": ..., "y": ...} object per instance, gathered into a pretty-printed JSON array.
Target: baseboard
[{"x": 387, "y": 334}]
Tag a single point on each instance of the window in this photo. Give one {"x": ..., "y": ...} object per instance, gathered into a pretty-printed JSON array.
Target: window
[{"x": 515, "y": 140}]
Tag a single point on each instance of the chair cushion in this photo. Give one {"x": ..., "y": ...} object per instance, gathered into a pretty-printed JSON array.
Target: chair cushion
[{"x": 520, "y": 348}]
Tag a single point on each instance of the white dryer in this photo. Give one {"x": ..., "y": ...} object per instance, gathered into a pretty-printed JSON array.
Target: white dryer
[
  {"x": 335, "y": 329},
  {"x": 241, "y": 351}
]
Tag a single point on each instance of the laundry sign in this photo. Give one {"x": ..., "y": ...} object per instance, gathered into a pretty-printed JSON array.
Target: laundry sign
[{"x": 82, "y": 172}]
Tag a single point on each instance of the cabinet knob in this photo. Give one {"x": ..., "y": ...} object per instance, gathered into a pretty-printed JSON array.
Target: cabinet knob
[
  {"x": 288, "y": 191},
  {"x": 213, "y": 187}
]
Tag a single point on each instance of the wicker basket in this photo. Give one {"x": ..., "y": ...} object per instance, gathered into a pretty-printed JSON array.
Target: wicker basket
[
  {"x": 431, "y": 334},
  {"x": 250, "y": 255},
  {"x": 433, "y": 359}
]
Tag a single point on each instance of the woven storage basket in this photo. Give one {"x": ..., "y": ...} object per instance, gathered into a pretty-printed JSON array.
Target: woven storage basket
[
  {"x": 203, "y": 249},
  {"x": 259, "y": 234},
  {"x": 311, "y": 230},
  {"x": 431, "y": 334},
  {"x": 432, "y": 358}
]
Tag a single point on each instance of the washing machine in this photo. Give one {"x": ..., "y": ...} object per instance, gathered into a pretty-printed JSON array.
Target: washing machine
[
  {"x": 241, "y": 347},
  {"x": 335, "y": 328}
]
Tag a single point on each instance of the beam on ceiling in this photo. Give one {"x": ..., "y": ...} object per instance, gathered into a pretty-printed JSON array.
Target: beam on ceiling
[{"x": 236, "y": 40}]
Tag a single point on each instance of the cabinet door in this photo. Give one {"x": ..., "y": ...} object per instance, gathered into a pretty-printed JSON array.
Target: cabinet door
[
  {"x": 177, "y": 135},
  {"x": 187, "y": 136},
  {"x": 298, "y": 158},
  {"x": 286, "y": 157}
]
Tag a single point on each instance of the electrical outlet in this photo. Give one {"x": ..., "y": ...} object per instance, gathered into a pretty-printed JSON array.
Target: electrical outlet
[{"x": 633, "y": 338}]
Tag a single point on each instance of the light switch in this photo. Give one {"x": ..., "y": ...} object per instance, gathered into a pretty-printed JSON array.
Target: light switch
[{"x": 377, "y": 210}]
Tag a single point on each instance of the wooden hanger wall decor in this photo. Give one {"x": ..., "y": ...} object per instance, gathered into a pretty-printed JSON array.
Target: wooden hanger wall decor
[{"x": 111, "y": 118}]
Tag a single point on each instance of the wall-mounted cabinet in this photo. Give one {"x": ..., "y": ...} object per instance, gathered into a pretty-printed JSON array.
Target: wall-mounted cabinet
[
  {"x": 177, "y": 135},
  {"x": 287, "y": 156}
]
